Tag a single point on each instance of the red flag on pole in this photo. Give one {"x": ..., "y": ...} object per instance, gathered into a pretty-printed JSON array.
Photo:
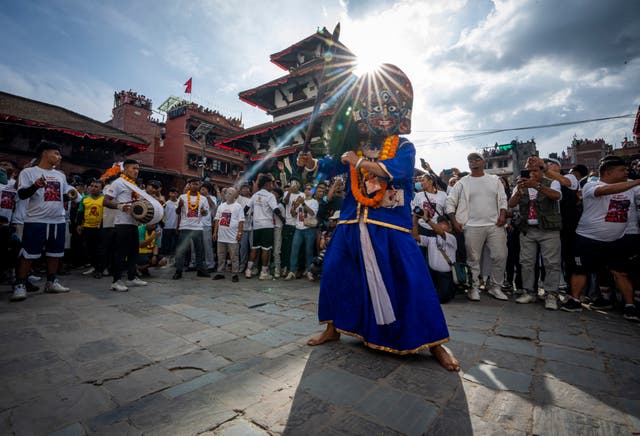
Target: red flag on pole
[{"x": 188, "y": 86}]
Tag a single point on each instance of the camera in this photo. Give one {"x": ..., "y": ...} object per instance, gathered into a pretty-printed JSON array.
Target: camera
[
  {"x": 524, "y": 174},
  {"x": 418, "y": 211}
]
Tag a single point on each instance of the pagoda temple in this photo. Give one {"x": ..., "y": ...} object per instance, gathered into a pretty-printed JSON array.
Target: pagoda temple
[{"x": 290, "y": 99}]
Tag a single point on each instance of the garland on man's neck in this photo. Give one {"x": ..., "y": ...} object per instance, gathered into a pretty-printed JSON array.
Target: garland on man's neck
[
  {"x": 128, "y": 179},
  {"x": 195, "y": 206},
  {"x": 389, "y": 149}
]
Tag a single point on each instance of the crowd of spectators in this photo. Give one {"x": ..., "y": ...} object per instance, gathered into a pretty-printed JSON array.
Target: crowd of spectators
[{"x": 569, "y": 239}]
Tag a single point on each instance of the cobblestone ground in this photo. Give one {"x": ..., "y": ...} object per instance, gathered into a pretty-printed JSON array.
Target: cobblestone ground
[{"x": 199, "y": 356}]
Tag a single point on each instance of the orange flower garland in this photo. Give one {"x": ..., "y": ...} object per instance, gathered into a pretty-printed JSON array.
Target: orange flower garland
[
  {"x": 389, "y": 149},
  {"x": 128, "y": 179},
  {"x": 195, "y": 206}
]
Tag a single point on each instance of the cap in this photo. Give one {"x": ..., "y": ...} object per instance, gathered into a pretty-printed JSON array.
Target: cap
[
  {"x": 474, "y": 156},
  {"x": 549, "y": 160}
]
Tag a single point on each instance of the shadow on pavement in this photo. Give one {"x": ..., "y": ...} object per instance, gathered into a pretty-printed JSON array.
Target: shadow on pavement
[{"x": 346, "y": 388}]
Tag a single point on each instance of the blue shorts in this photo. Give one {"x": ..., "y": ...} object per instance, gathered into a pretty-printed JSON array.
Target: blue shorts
[{"x": 39, "y": 236}]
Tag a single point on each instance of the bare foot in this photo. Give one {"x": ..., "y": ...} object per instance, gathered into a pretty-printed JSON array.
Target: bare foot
[
  {"x": 445, "y": 359},
  {"x": 330, "y": 334}
]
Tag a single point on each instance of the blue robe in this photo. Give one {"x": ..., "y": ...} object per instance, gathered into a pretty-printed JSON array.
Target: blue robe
[{"x": 344, "y": 294}]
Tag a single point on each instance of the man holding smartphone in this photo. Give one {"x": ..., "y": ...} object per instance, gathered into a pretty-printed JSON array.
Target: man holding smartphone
[{"x": 538, "y": 200}]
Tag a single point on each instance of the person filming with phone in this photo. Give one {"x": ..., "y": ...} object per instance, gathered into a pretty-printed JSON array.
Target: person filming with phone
[{"x": 538, "y": 199}]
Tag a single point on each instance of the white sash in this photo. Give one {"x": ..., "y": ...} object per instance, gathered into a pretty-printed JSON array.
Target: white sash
[{"x": 382, "y": 307}]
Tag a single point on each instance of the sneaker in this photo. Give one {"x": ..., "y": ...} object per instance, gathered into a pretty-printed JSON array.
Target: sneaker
[
  {"x": 265, "y": 276},
  {"x": 526, "y": 298},
  {"x": 202, "y": 273},
  {"x": 19, "y": 293},
  {"x": 601, "y": 303},
  {"x": 276, "y": 273},
  {"x": 89, "y": 271},
  {"x": 551, "y": 302},
  {"x": 33, "y": 278},
  {"x": 497, "y": 293},
  {"x": 218, "y": 277},
  {"x": 235, "y": 278},
  {"x": 136, "y": 282},
  {"x": 55, "y": 287},
  {"x": 177, "y": 275},
  {"x": 97, "y": 275},
  {"x": 310, "y": 276},
  {"x": 473, "y": 294},
  {"x": 247, "y": 273},
  {"x": 572, "y": 306},
  {"x": 631, "y": 313},
  {"x": 119, "y": 286},
  {"x": 290, "y": 276}
]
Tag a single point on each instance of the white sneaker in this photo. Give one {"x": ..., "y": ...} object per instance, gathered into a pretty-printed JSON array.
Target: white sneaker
[
  {"x": 33, "y": 278},
  {"x": 265, "y": 276},
  {"x": 119, "y": 286},
  {"x": 247, "y": 273},
  {"x": 276, "y": 273},
  {"x": 89, "y": 271},
  {"x": 290, "y": 276},
  {"x": 310, "y": 276},
  {"x": 136, "y": 282},
  {"x": 55, "y": 287},
  {"x": 19, "y": 293},
  {"x": 551, "y": 302},
  {"x": 473, "y": 294},
  {"x": 496, "y": 292},
  {"x": 526, "y": 299}
]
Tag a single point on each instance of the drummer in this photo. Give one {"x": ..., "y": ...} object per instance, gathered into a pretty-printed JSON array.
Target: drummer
[{"x": 120, "y": 195}]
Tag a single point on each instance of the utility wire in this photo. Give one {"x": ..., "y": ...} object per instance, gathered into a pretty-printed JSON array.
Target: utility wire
[{"x": 512, "y": 129}]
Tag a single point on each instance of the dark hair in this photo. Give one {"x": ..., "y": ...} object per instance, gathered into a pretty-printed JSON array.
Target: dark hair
[
  {"x": 193, "y": 179},
  {"x": 263, "y": 181},
  {"x": 208, "y": 186},
  {"x": 155, "y": 183},
  {"x": 278, "y": 191},
  {"x": 610, "y": 162},
  {"x": 47, "y": 145},
  {"x": 582, "y": 169},
  {"x": 173, "y": 189},
  {"x": 130, "y": 162}
]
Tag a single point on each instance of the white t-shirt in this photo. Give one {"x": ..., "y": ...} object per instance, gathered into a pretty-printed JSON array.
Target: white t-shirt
[
  {"x": 263, "y": 204},
  {"x": 532, "y": 217},
  {"x": 248, "y": 218},
  {"x": 228, "y": 217},
  {"x": 8, "y": 198},
  {"x": 483, "y": 203},
  {"x": 192, "y": 218},
  {"x": 633, "y": 226},
  {"x": 47, "y": 204},
  {"x": 604, "y": 218},
  {"x": 206, "y": 219},
  {"x": 170, "y": 215},
  {"x": 291, "y": 220},
  {"x": 120, "y": 191},
  {"x": 437, "y": 262},
  {"x": 574, "y": 182},
  {"x": 301, "y": 213},
  {"x": 432, "y": 204}
]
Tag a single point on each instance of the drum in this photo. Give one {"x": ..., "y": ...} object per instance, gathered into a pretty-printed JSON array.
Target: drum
[{"x": 143, "y": 211}]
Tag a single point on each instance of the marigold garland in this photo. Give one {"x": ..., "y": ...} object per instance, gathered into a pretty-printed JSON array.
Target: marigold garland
[
  {"x": 128, "y": 179},
  {"x": 195, "y": 206},
  {"x": 389, "y": 149}
]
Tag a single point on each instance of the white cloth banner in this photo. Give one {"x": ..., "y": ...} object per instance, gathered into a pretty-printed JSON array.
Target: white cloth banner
[{"x": 382, "y": 307}]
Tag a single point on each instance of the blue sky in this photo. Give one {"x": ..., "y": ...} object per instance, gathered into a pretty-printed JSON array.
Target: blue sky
[{"x": 474, "y": 64}]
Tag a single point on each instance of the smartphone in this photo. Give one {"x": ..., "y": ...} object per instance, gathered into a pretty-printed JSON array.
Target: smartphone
[
  {"x": 524, "y": 174},
  {"x": 423, "y": 162}
]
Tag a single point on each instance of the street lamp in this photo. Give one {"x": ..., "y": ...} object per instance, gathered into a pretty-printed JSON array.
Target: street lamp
[{"x": 199, "y": 137}]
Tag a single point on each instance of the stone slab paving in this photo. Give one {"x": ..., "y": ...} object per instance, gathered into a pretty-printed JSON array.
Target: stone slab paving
[{"x": 219, "y": 358}]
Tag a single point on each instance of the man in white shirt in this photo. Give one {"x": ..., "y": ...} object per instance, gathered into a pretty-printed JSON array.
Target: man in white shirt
[
  {"x": 477, "y": 206},
  {"x": 538, "y": 200},
  {"x": 120, "y": 195},
  {"x": 169, "y": 234},
  {"x": 207, "y": 227},
  {"x": 264, "y": 206},
  {"x": 290, "y": 196},
  {"x": 229, "y": 221},
  {"x": 247, "y": 234},
  {"x": 44, "y": 220},
  {"x": 430, "y": 200},
  {"x": 599, "y": 240},
  {"x": 192, "y": 207}
]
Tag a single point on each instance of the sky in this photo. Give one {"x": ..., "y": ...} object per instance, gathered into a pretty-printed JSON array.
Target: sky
[{"x": 475, "y": 65}]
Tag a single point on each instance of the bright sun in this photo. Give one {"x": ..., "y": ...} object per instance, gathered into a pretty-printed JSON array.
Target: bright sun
[{"x": 368, "y": 61}]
